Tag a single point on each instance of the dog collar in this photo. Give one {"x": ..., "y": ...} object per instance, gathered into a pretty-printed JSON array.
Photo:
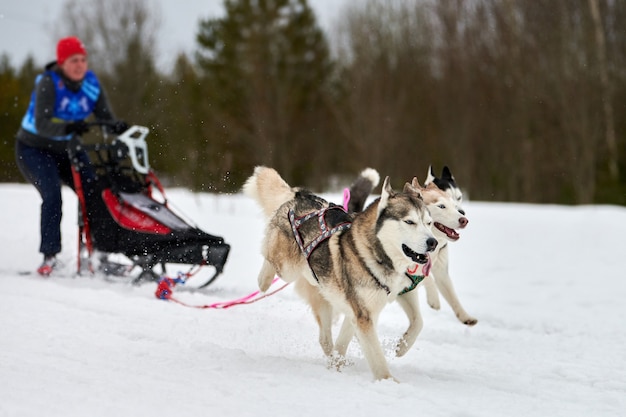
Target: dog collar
[{"x": 415, "y": 280}]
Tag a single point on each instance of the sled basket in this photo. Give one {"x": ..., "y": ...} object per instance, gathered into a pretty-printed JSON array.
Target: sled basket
[{"x": 123, "y": 217}]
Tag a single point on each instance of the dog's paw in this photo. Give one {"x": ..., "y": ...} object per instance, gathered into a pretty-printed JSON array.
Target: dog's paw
[
  {"x": 402, "y": 347},
  {"x": 266, "y": 275},
  {"x": 265, "y": 282},
  {"x": 468, "y": 320},
  {"x": 432, "y": 294},
  {"x": 338, "y": 362},
  {"x": 264, "y": 286},
  {"x": 387, "y": 377}
]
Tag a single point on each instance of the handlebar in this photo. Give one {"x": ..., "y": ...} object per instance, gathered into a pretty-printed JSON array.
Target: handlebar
[{"x": 134, "y": 139}]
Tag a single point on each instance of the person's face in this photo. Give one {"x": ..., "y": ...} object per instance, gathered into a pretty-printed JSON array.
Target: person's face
[{"x": 75, "y": 67}]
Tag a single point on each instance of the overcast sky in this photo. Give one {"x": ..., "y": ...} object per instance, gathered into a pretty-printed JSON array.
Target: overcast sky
[{"x": 26, "y": 25}]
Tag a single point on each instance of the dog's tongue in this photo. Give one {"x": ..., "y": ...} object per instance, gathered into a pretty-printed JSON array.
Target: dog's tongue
[{"x": 426, "y": 268}]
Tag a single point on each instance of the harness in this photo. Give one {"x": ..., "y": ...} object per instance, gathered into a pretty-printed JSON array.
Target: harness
[{"x": 326, "y": 232}]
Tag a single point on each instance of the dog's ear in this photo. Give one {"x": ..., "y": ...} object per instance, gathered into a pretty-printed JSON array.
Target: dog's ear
[
  {"x": 385, "y": 194},
  {"x": 416, "y": 184},
  {"x": 414, "y": 188},
  {"x": 430, "y": 177},
  {"x": 432, "y": 186},
  {"x": 446, "y": 174}
]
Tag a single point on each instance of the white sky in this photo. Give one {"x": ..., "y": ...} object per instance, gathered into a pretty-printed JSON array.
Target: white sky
[{"x": 26, "y": 26}]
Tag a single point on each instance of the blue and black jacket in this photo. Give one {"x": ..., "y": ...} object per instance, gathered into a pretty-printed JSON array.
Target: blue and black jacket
[{"x": 57, "y": 101}]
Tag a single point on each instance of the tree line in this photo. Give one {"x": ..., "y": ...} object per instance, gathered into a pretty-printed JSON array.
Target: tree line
[{"x": 524, "y": 101}]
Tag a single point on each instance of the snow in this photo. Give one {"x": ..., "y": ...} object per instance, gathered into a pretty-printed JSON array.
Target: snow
[{"x": 545, "y": 282}]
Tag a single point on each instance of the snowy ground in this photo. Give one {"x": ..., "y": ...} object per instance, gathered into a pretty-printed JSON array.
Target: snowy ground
[{"x": 546, "y": 283}]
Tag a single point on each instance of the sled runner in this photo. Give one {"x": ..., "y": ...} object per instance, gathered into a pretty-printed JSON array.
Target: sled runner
[{"x": 119, "y": 215}]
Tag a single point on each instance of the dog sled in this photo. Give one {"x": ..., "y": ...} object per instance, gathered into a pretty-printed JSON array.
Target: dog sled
[{"x": 125, "y": 229}]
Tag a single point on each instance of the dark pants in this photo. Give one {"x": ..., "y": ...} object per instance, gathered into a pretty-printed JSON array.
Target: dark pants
[{"x": 47, "y": 171}]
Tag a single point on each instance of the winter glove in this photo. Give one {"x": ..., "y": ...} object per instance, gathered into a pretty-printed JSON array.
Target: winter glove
[
  {"x": 77, "y": 128},
  {"x": 119, "y": 127}
]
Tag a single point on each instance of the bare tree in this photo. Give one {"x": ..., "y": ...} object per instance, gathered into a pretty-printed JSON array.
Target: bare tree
[
  {"x": 120, "y": 38},
  {"x": 386, "y": 54},
  {"x": 110, "y": 28},
  {"x": 507, "y": 92},
  {"x": 607, "y": 104}
]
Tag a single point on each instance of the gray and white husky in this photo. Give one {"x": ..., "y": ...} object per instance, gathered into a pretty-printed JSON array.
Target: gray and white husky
[
  {"x": 352, "y": 264},
  {"x": 443, "y": 198}
]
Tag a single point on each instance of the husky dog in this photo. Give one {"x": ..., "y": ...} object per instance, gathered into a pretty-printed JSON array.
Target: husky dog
[
  {"x": 446, "y": 183},
  {"x": 447, "y": 216},
  {"x": 445, "y": 208},
  {"x": 443, "y": 198},
  {"x": 349, "y": 263}
]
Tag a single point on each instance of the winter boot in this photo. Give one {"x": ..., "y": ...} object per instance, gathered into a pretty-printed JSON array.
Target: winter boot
[{"x": 49, "y": 262}]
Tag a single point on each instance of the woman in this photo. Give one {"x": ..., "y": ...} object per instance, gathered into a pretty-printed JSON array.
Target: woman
[{"x": 64, "y": 96}]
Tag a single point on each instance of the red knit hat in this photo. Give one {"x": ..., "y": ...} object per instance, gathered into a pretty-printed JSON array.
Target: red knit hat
[{"x": 69, "y": 46}]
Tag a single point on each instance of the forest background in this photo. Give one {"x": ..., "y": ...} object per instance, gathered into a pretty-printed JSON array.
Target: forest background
[{"x": 524, "y": 100}]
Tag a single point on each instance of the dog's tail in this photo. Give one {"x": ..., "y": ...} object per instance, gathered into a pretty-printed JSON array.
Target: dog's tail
[
  {"x": 268, "y": 188},
  {"x": 361, "y": 188}
]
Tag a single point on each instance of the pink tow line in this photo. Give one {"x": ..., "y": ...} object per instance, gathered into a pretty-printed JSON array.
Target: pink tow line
[{"x": 166, "y": 285}]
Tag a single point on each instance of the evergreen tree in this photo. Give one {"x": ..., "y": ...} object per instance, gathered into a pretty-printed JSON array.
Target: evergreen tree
[
  {"x": 187, "y": 121},
  {"x": 15, "y": 90},
  {"x": 267, "y": 67}
]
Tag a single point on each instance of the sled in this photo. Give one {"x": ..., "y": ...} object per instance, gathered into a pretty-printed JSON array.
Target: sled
[{"x": 125, "y": 230}]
